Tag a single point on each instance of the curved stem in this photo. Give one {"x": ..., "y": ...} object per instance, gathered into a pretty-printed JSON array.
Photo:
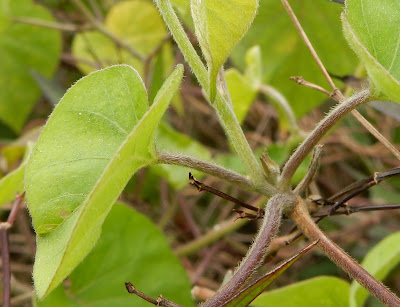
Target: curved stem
[
  {"x": 304, "y": 221},
  {"x": 283, "y": 104},
  {"x": 257, "y": 252},
  {"x": 316, "y": 135}
]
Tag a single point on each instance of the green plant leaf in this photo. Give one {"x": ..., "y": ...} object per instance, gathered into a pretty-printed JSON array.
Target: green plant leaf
[
  {"x": 378, "y": 262},
  {"x": 219, "y": 26},
  {"x": 284, "y": 53},
  {"x": 129, "y": 20},
  {"x": 253, "y": 71},
  {"x": 247, "y": 295},
  {"x": 99, "y": 279},
  {"x": 98, "y": 135},
  {"x": 13, "y": 182},
  {"x": 372, "y": 29},
  {"x": 315, "y": 292},
  {"x": 23, "y": 47},
  {"x": 241, "y": 91},
  {"x": 170, "y": 140}
]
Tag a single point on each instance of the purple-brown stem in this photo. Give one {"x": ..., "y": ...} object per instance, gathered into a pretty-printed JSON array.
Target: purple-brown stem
[
  {"x": 257, "y": 252},
  {"x": 305, "y": 223}
]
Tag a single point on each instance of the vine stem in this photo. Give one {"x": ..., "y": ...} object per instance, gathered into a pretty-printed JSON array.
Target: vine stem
[
  {"x": 316, "y": 135},
  {"x": 304, "y": 221},
  {"x": 221, "y": 104},
  {"x": 257, "y": 252}
]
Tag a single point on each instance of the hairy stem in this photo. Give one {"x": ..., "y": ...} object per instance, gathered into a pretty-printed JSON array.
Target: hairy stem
[
  {"x": 222, "y": 106},
  {"x": 304, "y": 221},
  {"x": 316, "y": 135},
  {"x": 257, "y": 252},
  {"x": 206, "y": 167},
  {"x": 180, "y": 37}
]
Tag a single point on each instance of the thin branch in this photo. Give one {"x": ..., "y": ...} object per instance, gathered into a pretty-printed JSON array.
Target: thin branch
[
  {"x": 203, "y": 187},
  {"x": 300, "y": 81},
  {"x": 53, "y": 25},
  {"x": 336, "y": 93},
  {"x": 316, "y": 135},
  {"x": 304, "y": 221},
  {"x": 206, "y": 167},
  {"x": 216, "y": 233},
  {"x": 311, "y": 172},
  {"x": 5, "y": 250},
  {"x": 256, "y": 253},
  {"x": 310, "y": 47},
  {"x": 99, "y": 26},
  {"x": 160, "y": 301},
  {"x": 350, "y": 210},
  {"x": 282, "y": 103}
]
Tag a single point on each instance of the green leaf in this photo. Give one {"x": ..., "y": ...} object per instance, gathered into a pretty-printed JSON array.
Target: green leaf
[
  {"x": 253, "y": 71},
  {"x": 23, "y": 47},
  {"x": 246, "y": 296},
  {"x": 98, "y": 135},
  {"x": 13, "y": 183},
  {"x": 372, "y": 29},
  {"x": 284, "y": 53},
  {"x": 219, "y": 26},
  {"x": 378, "y": 262},
  {"x": 170, "y": 140},
  {"x": 99, "y": 279},
  {"x": 241, "y": 91},
  {"x": 129, "y": 20},
  {"x": 315, "y": 292}
]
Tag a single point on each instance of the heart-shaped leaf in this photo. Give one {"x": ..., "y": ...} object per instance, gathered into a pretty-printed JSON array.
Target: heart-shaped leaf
[
  {"x": 219, "y": 26},
  {"x": 315, "y": 292},
  {"x": 23, "y": 47},
  {"x": 130, "y": 248},
  {"x": 246, "y": 296},
  {"x": 372, "y": 29},
  {"x": 98, "y": 135},
  {"x": 379, "y": 262}
]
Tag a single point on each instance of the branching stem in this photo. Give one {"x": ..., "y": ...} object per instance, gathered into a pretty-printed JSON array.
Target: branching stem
[
  {"x": 316, "y": 135},
  {"x": 305, "y": 223}
]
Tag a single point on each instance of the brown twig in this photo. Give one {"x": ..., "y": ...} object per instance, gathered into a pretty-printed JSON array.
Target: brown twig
[
  {"x": 203, "y": 187},
  {"x": 300, "y": 81},
  {"x": 304, "y": 221},
  {"x": 52, "y": 25},
  {"x": 160, "y": 301},
  {"x": 257, "y": 252},
  {"x": 5, "y": 251}
]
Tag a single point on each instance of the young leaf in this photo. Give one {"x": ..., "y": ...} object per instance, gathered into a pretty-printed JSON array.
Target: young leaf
[
  {"x": 315, "y": 292},
  {"x": 242, "y": 92},
  {"x": 99, "y": 279},
  {"x": 24, "y": 47},
  {"x": 372, "y": 29},
  {"x": 246, "y": 296},
  {"x": 219, "y": 26},
  {"x": 379, "y": 262},
  {"x": 284, "y": 54},
  {"x": 254, "y": 71},
  {"x": 96, "y": 138},
  {"x": 129, "y": 20},
  {"x": 13, "y": 183}
]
